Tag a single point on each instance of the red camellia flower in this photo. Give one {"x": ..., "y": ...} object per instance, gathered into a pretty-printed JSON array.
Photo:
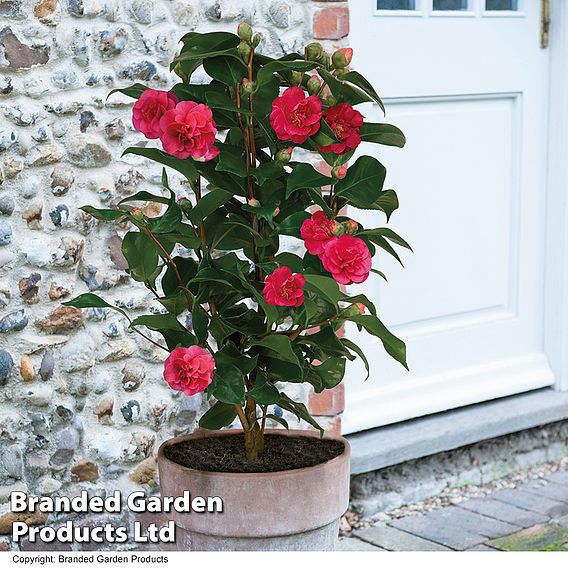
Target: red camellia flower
[
  {"x": 189, "y": 130},
  {"x": 345, "y": 122},
  {"x": 347, "y": 258},
  {"x": 317, "y": 231},
  {"x": 149, "y": 109},
  {"x": 282, "y": 288},
  {"x": 189, "y": 369},
  {"x": 295, "y": 116}
]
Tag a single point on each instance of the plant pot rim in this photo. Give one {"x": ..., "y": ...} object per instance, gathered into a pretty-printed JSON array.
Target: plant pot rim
[{"x": 202, "y": 433}]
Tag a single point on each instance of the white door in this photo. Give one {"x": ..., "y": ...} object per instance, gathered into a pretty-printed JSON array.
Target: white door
[{"x": 467, "y": 81}]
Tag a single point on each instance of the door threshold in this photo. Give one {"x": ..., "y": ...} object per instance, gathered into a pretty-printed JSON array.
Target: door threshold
[{"x": 397, "y": 443}]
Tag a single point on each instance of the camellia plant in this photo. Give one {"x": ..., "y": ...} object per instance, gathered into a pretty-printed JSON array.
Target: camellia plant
[{"x": 246, "y": 141}]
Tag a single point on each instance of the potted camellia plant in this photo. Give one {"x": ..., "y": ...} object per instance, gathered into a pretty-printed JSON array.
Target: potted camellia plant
[{"x": 241, "y": 317}]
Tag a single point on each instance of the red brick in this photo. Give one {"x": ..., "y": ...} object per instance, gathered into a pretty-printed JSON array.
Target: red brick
[
  {"x": 331, "y": 22},
  {"x": 330, "y": 402}
]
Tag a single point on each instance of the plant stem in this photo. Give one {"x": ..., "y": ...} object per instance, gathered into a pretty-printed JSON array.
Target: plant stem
[
  {"x": 174, "y": 267},
  {"x": 254, "y": 436}
]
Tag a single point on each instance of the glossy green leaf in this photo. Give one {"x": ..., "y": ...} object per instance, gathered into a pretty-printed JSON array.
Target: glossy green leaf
[
  {"x": 299, "y": 410},
  {"x": 305, "y": 176},
  {"x": 103, "y": 214},
  {"x": 142, "y": 256},
  {"x": 185, "y": 167},
  {"x": 133, "y": 91},
  {"x": 208, "y": 203},
  {"x": 264, "y": 392},
  {"x": 363, "y": 182},
  {"x": 331, "y": 372},
  {"x": 218, "y": 416},
  {"x": 381, "y": 133},
  {"x": 227, "y": 70},
  {"x": 323, "y": 286},
  {"x": 355, "y": 78},
  {"x": 354, "y": 347},
  {"x": 291, "y": 225}
]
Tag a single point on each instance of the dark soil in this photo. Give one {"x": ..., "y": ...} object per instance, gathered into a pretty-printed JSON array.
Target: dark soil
[{"x": 227, "y": 453}]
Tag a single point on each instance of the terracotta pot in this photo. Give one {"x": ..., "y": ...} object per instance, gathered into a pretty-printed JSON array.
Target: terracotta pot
[{"x": 285, "y": 510}]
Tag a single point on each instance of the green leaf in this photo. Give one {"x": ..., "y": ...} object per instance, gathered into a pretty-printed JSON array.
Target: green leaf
[
  {"x": 326, "y": 341},
  {"x": 141, "y": 255},
  {"x": 185, "y": 167},
  {"x": 331, "y": 372},
  {"x": 208, "y": 203},
  {"x": 103, "y": 214},
  {"x": 299, "y": 410},
  {"x": 218, "y": 416},
  {"x": 394, "y": 346},
  {"x": 276, "y": 353},
  {"x": 169, "y": 221},
  {"x": 279, "y": 419},
  {"x": 354, "y": 347},
  {"x": 291, "y": 260},
  {"x": 359, "y": 81},
  {"x": 305, "y": 176},
  {"x": 145, "y": 196},
  {"x": 292, "y": 224},
  {"x": 264, "y": 392},
  {"x": 158, "y": 322},
  {"x": 228, "y": 383},
  {"x": 133, "y": 91},
  {"x": 227, "y": 70},
  {"x": 200, "y": 322},
  {"x": 381, "y": 133},
  {"x": 323, "y": 286},
  {"x": 387, "y": 233},
  {"x": 231, "y": 159},
  {"x": 363, "y": 182},
  {"x": 88, "y": 300},
  {"x": 267, "y": 171}
]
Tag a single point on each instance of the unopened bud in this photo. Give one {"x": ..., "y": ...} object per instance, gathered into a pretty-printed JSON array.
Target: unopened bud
[
  {"x": 342, "y": 57},
  {"x": 296, "y": 78},
  {"x": 313, "y": 85},
  {"x": 283, "y": 156},
  {"x": 252, "y": 202},
  {"x": 276, "y": 211},
  {"x": 353, "y": 310},
  {"x": 248, "y": 86},
  {"x": 339, "y": 172},
  {"x": 314, "y": 51},
  {"x": 339, "y": 73},
  {"x": 244, "y": 31},
  {"x": 256, "y": 38},
  {"x": 361, "y": 307},
  {"x": 244, "y": 51},
  {"x": 185, "y": 204},
  {"x": 137, "y": 213},
  {"x": 337, "y": 229},
  {"x": 350, "y": 226},
  {"x": 330, "y": 100},
  {"x": 325, "y": 59}
]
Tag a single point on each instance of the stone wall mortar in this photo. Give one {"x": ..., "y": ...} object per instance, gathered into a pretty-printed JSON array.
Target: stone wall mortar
[{"x": 82, "y": 400}]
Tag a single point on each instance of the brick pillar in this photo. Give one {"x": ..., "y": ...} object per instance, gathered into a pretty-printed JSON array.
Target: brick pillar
[
  {"x": 327, "y": 406},
  {"x": 330, "y": 19}
]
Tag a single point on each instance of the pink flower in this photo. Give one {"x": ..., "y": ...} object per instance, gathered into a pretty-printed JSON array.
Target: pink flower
[
  {"x": 149, "y": 109},
  {"x": 189, "y": 130},
  {"x": 348, "y": 259},
  {"x": 345, "y": 122},
  {"x": 295, "y": 116},
  {"x": 189, "y": 369},
  {"x": 347, "y": 52},
  {"x": 317, "y": 231},
  {"x": 282, "y": 288}
]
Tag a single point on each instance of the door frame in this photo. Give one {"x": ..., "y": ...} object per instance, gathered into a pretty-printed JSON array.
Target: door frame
[{"x": 556, "y": 251}]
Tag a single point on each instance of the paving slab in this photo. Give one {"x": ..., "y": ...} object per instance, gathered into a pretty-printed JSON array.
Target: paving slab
[
  {"x": 547, "y": 489},
  {"x": 548, "y": 537},
  {"x": 449, "y": 535},
  {"x": 504, "y": 512},
  {"x": 562, "y": 521},
  {"x": 396, "y": 540},
  {"x": 560, "y": 477},
  {"x": 532, "y": 502},
  {"x": 353, "y": 544},
  {"x": 483, "y": 548}
]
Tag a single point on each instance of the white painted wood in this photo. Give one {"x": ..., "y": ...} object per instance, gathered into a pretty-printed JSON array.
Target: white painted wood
[
  {"x": 556, "y": 282},
  {"x": 471, "y": 93}
]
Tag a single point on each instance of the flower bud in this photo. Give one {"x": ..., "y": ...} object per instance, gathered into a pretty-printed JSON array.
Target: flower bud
[
  {"x": 339, "y": 172},
  {"x": 325, "y": 59},
  {"x": 353, "y": 310},
  {"x": 296, "y": 78},
  {"x": 342, "y": 57},
  {"x": 314, "y": 51},
  {"x": 276, "y": 211},
  {"x": 313, "y": 85},
  {"x": 137, "y": 214},
  {"x": 256, "y": 38},
  {"x": 248, "y": 86},
  {"x": 252, "y": 202},
  {"x": 338, "y": 229},
  {"x": 350, "y": 226},
  {"x": 244, "y": 50},
  {"x": 244, "y": 31},
  {"x": 330, "y": 100},
  {"x": 185, "y": 204},
  {"x": 339, "y": 73},
  {"x": 283, "y": 156},
  {"x": 362, "y": 308}
]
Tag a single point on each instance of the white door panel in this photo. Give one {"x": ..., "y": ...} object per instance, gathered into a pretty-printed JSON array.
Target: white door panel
[{"x": 470, "y": 92}]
